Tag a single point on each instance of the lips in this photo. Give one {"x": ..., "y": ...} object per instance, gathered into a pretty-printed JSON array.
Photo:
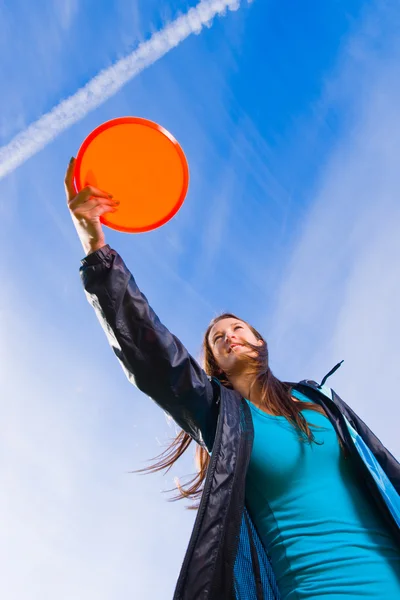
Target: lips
[{"x": 233, "y": 346}]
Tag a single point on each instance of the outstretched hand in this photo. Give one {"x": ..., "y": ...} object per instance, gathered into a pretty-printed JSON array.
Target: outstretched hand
[{"x": 86, "y": 208}]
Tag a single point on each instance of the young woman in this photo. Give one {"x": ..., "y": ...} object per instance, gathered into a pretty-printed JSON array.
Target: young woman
[{"x": 300, "y": 498}]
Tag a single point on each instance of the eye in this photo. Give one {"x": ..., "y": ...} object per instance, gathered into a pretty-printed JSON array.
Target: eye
[{"x": 218, "y": 336}]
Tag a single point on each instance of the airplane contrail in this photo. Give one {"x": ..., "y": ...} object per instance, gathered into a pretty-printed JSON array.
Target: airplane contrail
[{"x": 108, "y": 82}]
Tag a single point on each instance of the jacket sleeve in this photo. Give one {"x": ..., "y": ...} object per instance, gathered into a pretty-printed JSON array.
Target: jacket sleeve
[
  {"x": 153, "y": 359},
  {"x": 386, "y": 460}
]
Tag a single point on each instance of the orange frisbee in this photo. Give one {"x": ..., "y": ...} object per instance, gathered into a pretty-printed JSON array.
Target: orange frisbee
[{"x": 141, "y": 165}]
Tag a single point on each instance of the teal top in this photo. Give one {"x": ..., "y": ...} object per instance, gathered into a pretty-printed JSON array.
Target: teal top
[{"x": 325, "y": 536}]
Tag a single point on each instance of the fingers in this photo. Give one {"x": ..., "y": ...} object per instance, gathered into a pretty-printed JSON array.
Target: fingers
[
  {"x": 69, "y": 180},
  {"x": 84, "y": 194},
  {"x": 89, "y": 198},
  {"x": 90, "y": 190},
  {"x": 91, "y": 207}
]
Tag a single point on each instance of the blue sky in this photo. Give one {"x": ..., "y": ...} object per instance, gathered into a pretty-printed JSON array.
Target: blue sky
[{"x": 289, "y": 117}]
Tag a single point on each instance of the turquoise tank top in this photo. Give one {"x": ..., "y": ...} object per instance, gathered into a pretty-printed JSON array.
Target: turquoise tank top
[{"x": 325, "y": 537}]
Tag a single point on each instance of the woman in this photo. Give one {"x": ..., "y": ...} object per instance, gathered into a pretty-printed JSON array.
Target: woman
[{"x": 300, "y": 498}]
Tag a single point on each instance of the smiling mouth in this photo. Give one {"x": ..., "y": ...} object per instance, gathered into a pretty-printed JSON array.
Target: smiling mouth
[{"x": 234, "y": 346}]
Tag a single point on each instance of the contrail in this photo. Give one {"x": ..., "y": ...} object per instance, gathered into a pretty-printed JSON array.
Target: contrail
[{"x": 108, "y": 82}]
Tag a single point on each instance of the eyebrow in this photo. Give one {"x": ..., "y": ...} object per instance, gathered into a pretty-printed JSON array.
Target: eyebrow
[{"x": 219, "y": 331}]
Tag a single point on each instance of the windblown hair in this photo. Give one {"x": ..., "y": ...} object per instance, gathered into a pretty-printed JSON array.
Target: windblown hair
[{"x": 275, "y": 398}]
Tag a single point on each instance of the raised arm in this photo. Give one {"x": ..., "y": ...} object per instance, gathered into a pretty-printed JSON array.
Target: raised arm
[{"x": 153, "y": 359}]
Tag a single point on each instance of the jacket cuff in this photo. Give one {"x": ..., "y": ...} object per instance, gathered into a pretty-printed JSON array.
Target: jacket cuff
[{"x": 102, "y": 255}]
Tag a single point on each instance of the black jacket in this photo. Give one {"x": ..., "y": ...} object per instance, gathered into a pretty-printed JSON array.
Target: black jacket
[{"x": 225, "y": 559}]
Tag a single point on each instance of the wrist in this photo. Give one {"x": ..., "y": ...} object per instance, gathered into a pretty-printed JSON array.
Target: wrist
[{"x": 91, "y": 247}]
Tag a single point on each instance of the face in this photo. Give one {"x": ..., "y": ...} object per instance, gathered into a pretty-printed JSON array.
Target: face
[{"x": 226, "y": 338}]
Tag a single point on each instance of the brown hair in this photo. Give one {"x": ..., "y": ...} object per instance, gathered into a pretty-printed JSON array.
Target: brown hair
[{"x": 275, "y": 397}]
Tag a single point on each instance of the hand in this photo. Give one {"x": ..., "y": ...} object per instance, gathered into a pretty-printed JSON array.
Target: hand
[{"x": 86, "y": 208}]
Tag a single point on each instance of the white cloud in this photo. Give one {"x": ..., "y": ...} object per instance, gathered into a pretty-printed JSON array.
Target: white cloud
[
  {"x": 67, "y": 11},
  {"x": 108, "y": 82},
  {"x": 340, "y": 294},
  {"x": 76, "y": 524},
  {"x": 72, "y": 514}
]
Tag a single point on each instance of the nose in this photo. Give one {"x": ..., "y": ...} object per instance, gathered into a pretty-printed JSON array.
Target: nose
[{"x": 231, "y": 339}]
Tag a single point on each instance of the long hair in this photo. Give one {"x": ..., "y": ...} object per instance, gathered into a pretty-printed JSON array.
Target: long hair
[{"x": 275, "y": 397}]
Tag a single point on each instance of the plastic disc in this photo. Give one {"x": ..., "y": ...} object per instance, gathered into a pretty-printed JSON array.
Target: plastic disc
[{"x": 141, "y": 165}]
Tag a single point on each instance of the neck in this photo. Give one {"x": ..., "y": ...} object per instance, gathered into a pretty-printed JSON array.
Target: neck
[{"x": 242, "y": 382}]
